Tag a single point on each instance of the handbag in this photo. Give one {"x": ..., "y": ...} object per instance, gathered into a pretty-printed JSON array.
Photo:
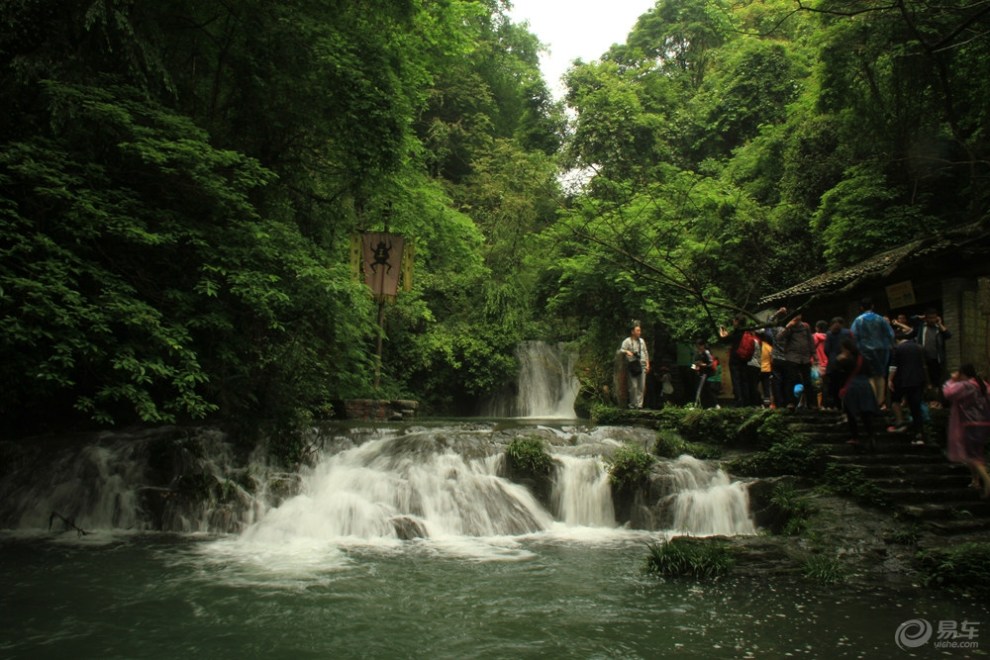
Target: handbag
[{"x": 636, "y": 366}]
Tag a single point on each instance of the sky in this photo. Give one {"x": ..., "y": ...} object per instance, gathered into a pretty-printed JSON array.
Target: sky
[{"x": 574, "y": 29}]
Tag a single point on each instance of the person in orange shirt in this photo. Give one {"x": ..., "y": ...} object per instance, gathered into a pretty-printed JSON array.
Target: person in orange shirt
[{"x": 766, "y": 369}]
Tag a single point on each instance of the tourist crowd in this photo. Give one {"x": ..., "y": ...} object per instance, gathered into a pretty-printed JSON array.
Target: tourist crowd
[{"x": 877, "y": 370}]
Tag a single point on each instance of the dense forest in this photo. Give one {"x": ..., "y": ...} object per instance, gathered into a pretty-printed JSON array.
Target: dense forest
[{"x": 180, "y": 181}]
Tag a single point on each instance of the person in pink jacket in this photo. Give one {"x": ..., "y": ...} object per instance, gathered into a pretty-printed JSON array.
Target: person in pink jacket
[{"x": 969, "y": 424}]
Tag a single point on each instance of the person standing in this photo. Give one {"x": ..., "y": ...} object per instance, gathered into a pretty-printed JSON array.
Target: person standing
[
  {"x": 753, "y": 370},
  {"x": 874, "y": 339},
  {"x": 742, "y": 344},
  {"x": 798, "y": 350},
  {"x": 637, "y": 364},
  {"x": 777, "y": 365},
  {"x": 705, "y": 368},
  {"x": 931, "y": 335},
  {"x": 819, "y": 363},
  {"x": 766, "y": 369},
  {"x": 837, "y": 332},
  {"x": 906, "y": 378},
  {"x": 969, "y": 424},
  {"x": 855, "y": 393}
]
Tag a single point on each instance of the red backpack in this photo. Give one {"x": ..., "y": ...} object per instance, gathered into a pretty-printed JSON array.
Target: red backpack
[{"x": 747, "y": 346}]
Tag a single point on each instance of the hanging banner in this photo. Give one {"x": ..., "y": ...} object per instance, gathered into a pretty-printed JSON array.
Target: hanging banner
[{"x": 381, "y": 256}]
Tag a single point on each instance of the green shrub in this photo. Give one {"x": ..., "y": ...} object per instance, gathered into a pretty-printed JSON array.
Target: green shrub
[
  {"x": 792, "y": 456},
  {"x": 851, "y": 482},
  {"x": 670, "y": 444},
  {"x": 630, "y": 466},
  {"x": 528, "y": 455},
  {"x": 908, "y": 536},
  {"x": 964, "y": 566},
  {"x": 793, "y": 509},
  {"x": 824, "y": 568},
  {"x": 767, "y": 430},
  {"x": 605, "y": 414},
  {"x": 684, "y": 557}
]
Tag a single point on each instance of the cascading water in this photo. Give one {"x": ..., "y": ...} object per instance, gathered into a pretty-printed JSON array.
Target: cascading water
[
  {"x": 703, "y": 501},
  {"x": 545, "y": 387},
  {"x": 582, "y": 494},
  {"x": 441, "y": 483},
  {"x": 403, "y": 487},
  {"x": 164, "y": 478}
]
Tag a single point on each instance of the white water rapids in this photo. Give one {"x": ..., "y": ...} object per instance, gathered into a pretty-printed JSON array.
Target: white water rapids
[
  {"x": 444, "y": 486},
  {"x": 428, "y": 488}
]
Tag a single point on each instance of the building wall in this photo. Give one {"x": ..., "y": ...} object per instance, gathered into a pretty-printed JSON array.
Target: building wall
[{"x": 967, "y": 314}]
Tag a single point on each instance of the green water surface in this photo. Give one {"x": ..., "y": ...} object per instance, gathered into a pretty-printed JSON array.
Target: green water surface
[{"x": 161, "y": 596}]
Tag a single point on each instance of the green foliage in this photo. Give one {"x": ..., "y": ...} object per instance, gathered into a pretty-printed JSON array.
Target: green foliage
[
  {"x": 179, "y": 182},
  {"x": 851, "y": 482},
  {"x": 965, "y": 567},
  {"x": 905, "y": 536},
  {"x": 823, "y": 568},
  {"x": 793, "y": 509},
  {"x": 729, "y": 427},
  {"x": 701, "y": 559},
  {"x": 178, "y": 186},
  {"x": 671, "y": 445},
  {"x": 605, "y": 414},
  {"x": 529, "y": 456},
  {"x": 812, "y": 138},
  {"x": 792, "y": 456},
  {"x": 629, "y": 467}
]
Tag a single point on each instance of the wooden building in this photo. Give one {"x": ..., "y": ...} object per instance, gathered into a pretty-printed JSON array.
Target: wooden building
[{"x": 949, "y": 271}]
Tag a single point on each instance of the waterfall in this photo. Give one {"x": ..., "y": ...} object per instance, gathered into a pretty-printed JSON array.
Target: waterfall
[
  {"x": 399, "y": 488},
  {"x": 705, "y": 502},
  {"x": 582, "y": 494},
  {"x": 445, "y": 483},
  {"x": 545, "y": 386},
  {"x": 164, "y": 478}
]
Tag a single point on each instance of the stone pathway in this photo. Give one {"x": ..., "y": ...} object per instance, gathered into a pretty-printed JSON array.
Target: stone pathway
[{"x": 918, "y": 481}]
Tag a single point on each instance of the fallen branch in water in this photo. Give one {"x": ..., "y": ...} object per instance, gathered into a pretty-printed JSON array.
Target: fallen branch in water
[{"x": 66, "y": 522}]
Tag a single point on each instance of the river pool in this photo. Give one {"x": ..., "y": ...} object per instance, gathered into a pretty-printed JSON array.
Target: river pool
[{"x": 564, "y": 593}]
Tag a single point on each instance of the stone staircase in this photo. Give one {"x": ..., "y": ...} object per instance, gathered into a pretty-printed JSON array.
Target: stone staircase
[{"x": 918, "y": 481}]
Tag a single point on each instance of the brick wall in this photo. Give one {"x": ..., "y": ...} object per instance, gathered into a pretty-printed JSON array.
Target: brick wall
[{"x": 966, "y": 312}]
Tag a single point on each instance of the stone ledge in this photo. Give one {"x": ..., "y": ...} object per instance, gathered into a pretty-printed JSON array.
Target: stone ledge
[{"x": 380, "y": 409}]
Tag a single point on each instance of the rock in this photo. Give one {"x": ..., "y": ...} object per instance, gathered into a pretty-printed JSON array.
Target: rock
[{"x": 407, "y": 528}]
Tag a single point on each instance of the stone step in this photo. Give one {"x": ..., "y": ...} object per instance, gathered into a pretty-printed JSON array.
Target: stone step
[
  {"x": 922, "y": 480},
  {"x": 825, "y": 428},
  {"x": 963, "y": 526},
  {"x": 884, "y": 446},
  {"x": 805, "y": 423},
  {"x": 914, "y": 469},
  {"x": 826, "y": 438},
  {"x": 961, "y": 495},
  {"x": 960, "y": 510},
  {"x": 865, "y": 458}
]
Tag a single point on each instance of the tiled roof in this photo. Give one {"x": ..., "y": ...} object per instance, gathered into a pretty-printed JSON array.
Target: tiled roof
[{"x": 879, "y": 265}]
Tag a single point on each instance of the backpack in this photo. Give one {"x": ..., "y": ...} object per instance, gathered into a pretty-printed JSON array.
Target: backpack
[{"x": 747, "y": 346}]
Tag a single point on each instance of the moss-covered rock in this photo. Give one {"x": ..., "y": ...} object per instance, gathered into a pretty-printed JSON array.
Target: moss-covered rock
[
  {"x": 670, "y": 444},
  {"x": 629, "y": 472},
  {"x": 528, "y": 462},
  {"x": 792, "y": 456},
  {"x": 965, "y": 567}
]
